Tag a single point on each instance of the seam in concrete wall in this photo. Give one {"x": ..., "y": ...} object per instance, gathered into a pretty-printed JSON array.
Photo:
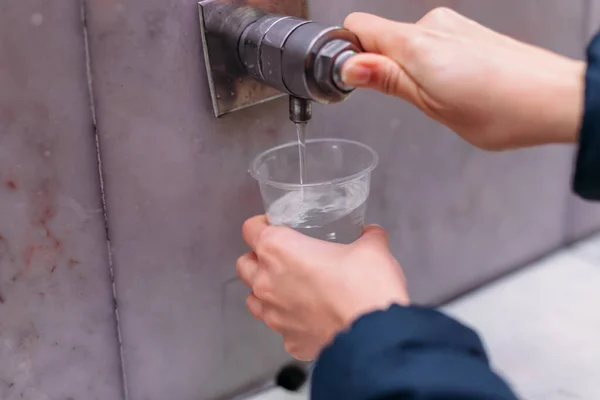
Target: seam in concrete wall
[
  {"x": 102, "y": 194},
  {"x": 88, "y": 71}
]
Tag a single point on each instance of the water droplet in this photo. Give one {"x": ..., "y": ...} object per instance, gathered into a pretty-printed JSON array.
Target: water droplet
[
  {"x": 232, "y": 94},
  {"x": 218, "y": 96},
  {"x": 47, "y": 153},
  {"x": 37, "y": 19}
]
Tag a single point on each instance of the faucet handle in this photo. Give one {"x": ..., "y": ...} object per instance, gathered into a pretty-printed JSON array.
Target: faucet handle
[{"x": 328, "y": 67}]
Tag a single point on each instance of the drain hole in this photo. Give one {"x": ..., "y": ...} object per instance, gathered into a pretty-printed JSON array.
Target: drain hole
[{"x": 291, "y": 377}]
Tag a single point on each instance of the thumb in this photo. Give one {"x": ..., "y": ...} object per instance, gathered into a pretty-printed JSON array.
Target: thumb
[
  {"x": 375, "y": 71},
  {"x": 374, "y": 235}
]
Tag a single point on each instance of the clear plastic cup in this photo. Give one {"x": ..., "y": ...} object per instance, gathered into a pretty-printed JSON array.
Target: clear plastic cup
[{"x": 331, "y": 202}]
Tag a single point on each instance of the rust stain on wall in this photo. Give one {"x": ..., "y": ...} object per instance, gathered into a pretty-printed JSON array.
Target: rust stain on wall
[
  {"x": 11, "y": 184},
  {"x": 27, "y": 254},
  {"x": 42, "y": 242}
]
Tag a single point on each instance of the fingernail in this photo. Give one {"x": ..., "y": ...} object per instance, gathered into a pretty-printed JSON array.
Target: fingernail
[{"x": 356, "y": 75}]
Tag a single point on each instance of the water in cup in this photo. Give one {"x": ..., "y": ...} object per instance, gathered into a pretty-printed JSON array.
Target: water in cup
[{"x": 334, "y": 213}]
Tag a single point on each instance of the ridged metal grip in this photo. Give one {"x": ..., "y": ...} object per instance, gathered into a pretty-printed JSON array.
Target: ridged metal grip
[{"x": 297, "y": 56}]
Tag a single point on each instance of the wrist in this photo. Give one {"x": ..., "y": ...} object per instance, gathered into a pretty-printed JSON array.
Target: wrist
[
  {"x": 345, "y": 316},
  {"x": 352, "y": 312},
  {"x": 566, "y": 104},
  {"x": 545, "y": 108}
]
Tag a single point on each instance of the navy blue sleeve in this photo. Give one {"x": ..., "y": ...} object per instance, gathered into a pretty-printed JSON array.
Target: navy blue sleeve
[
  {"x": 407, "y": 353},
  {"x": 587, "y": 173}
]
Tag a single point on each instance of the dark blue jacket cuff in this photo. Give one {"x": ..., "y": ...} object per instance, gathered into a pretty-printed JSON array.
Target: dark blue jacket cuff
[
  {"x": 406, "y": 353},
  {"x": 586, "y": 182}
]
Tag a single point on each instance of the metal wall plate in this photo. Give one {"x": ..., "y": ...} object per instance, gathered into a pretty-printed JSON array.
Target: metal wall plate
[{"x": 231, "y": 88}]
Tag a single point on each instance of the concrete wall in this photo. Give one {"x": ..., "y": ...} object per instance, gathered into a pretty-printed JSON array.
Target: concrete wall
[
  {"x": 176, "y": 189},
  {"x": 58, "y": 337}
]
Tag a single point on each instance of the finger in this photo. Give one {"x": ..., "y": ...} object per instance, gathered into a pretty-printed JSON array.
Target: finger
[
  {"x": 279, "y": 242},
  {"x": 298, "y": 351},
  {"x": 255, "y": 306},
  {"x": 289, "y": 247},
  {"x": 302, "y": 346},
  {"x": 380, "y": 35},
  {"x": 375, "y": 235},
  {"x": 247, "y": 267},
  {"x": 381, "y": 73},
  {"x": 252, "y": 229}
]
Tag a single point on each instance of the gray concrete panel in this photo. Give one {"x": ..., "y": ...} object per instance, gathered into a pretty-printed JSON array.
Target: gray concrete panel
[{"x": 58, "y": 337}]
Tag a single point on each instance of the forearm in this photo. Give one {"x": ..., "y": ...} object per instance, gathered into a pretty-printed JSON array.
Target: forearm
[
  {"x": 560, "y": 106},
  {"x": 541, "y": 106}
]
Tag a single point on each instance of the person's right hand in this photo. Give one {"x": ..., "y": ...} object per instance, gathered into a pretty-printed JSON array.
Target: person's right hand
[
  {"x": 310, "y": 290},
  {"x": 494, "y": 91}
]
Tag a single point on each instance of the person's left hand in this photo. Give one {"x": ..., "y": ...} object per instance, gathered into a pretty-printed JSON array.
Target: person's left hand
[{"x": 309, "y": 290}]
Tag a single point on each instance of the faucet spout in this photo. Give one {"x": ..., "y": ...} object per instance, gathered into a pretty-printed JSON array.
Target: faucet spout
[{"x": 300, "y": 110}]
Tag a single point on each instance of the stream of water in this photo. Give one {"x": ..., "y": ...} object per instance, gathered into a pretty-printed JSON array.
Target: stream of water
[{"x": 301, "y": 133}]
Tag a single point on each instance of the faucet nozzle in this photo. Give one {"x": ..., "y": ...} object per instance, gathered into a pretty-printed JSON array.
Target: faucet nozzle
[{"x": 300, "y": 110}]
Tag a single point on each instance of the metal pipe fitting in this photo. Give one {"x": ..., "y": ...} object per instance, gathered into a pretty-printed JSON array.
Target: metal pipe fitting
[
  {"x": 300, "y": 57},
  {"x": 253, "y": 56},
  {"x": 300, "y": 110}
]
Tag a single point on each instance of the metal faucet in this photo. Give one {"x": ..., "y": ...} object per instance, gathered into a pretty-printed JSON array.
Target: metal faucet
[{"x": 289, "y": 54}]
